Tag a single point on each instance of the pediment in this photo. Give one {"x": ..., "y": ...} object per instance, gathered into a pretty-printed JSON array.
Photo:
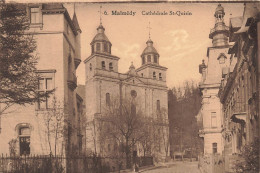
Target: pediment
[{"x": 133, "y": 80}]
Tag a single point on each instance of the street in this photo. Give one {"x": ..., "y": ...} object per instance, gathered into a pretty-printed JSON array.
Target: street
[{"x": 177, "y": 167}]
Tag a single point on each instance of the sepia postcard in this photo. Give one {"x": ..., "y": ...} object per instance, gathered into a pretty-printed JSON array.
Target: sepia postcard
[{"x": 129, "y": 86}]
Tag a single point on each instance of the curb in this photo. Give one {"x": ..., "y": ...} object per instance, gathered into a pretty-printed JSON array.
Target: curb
[
  {"x": 152, "y": 168},
  {"x": 141, "y": 169}
]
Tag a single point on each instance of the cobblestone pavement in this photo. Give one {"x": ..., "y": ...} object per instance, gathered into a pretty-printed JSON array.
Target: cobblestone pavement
[{"x": 176, "y": 167}]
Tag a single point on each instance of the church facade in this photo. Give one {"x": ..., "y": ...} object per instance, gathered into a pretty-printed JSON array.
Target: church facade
[{"x": 104, "y": 83}]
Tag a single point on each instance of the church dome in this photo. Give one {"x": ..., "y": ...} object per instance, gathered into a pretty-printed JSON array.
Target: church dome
[
  {"x": 150, "y": 49},
  {"x": 150, "y": 54},
  {"x": 100, "y": 36},
  {"x": 100, "y": 43}
]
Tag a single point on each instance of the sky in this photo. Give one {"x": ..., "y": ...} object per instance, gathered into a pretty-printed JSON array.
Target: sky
[{"x": 181, "y": 41}]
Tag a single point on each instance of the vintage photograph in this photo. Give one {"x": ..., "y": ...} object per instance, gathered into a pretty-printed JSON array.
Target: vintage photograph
[{"x": 129, "y": 86}]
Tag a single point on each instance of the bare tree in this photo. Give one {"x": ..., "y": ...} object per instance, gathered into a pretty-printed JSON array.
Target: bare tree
[
  {"x": 163, "y": 116},
  {"x": 124, "y": 122},
  {"x": 54, "y": 119},
  {"x": 146, "y": 140}
]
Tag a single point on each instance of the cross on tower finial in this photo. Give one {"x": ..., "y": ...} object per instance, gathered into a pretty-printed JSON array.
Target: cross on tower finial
[
  {"x": 149, "y": 30},
  {"x": 100, "y": 14},
  {"x": 74, "y": 7}
]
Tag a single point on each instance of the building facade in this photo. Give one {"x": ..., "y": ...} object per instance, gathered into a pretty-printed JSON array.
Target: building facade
[
  {"x": 217, "y": 64},
  {"x": 146, "y": 84},
  {"x": 239, "y": 91},
  {"x": 24, "y": 129}
]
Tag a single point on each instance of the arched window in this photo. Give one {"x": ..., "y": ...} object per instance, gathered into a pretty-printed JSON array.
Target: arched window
[
  {"x": 221, "y": 60},
  {"x": 143, "y": 60},
  {"x": 107, "y": 99},
  {"x": 160, "y": 76},
  {"x": 154, "y": 75},
  {"x": 24, "y": 140},
  {"x": 98, "y": 47},
  {"x": 92, "y": 49},
  {"x": 103, "y": 65},
  {"x": 149, "y": 58},
  {"x": 222, "y": 57},
  {"x": 105, "y": 47},
  {"x": 111, "y": 66},
  {"x": 109, "y": 48},
  {"x": 158, "y": 105},
  {"x": 90, "y": 67},
  {"x": 155, "y": 59}
]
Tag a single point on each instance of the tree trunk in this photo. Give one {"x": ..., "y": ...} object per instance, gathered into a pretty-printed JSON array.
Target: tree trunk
[
  {"x": 56, "y": 136},
  {"x": 48, "y": 133},
  {"x": 127, "y": 152}
]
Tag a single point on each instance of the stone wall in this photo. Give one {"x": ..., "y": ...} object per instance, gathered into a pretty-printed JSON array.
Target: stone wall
[{"x": 211, "y": 163}]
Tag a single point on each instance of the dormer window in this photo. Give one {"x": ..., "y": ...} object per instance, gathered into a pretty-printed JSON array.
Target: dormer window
[
  {"x": 98, "y": 47},
  {"x": 103, "y": 65},
  {"x": 35, "y": 15},
  {"x": 154, "y": 75},
  {"x": 110, "y": 66},
  {"x": 149, "y": 58}
]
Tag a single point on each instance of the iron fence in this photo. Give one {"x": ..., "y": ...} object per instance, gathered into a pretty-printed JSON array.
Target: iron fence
[{"x": 62, "y": 164}]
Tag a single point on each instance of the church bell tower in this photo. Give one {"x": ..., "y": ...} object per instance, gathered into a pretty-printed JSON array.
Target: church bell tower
[
  {"x": 212, "y": 73},
  {"x": 150, "y": 63}
]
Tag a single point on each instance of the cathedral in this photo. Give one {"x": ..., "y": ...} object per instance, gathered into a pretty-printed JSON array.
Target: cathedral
[{"x": 147, "y": 84}]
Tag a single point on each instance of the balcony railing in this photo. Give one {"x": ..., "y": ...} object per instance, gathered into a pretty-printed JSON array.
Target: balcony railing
[
  {"x": 72, "y": 81},
  {"x": 218, "y": 28}
]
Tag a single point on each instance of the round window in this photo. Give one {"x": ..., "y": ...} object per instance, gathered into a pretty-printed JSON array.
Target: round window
[{"x": 133, "y": 93}]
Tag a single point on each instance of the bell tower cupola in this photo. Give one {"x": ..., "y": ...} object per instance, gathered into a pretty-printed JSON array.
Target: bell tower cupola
[
  {"x": 219, "y": 34},
  {"x": 150, "y": 54},
  {"x": 100, "y": 43}
]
